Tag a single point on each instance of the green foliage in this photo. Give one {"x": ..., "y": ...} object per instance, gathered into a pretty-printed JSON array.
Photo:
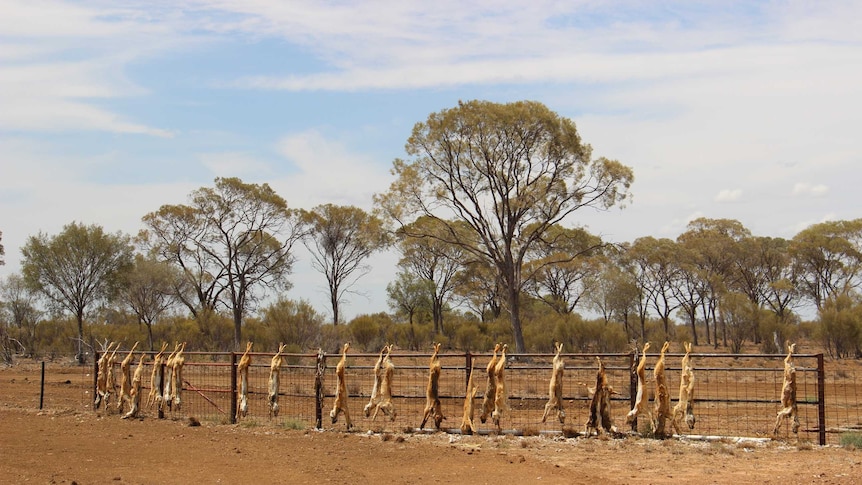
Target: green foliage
[
  {"x": 581, "y": 335},
  {"x": 293, "y": 322},
  {"x": 850, "y": 440},
  {"x": 469, "y": 336},
  {"x": 77, "y": 268},
  {"x": 738, "y": 314},
  {"x": 535, "y": 168},
  {"x": 841, "y": 325},
  {"x": 774, "y": 332},
  {"x": 364, "y": 332},
  {"x": 332, "y": 337}
]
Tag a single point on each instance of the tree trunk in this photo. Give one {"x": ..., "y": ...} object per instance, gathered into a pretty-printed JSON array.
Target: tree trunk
[
  {"x": 515, "y": 317},
  {"x": 333, "y": 299},
  {"x": 237, "y": 328},
  {"x": 79, "y": 316}
]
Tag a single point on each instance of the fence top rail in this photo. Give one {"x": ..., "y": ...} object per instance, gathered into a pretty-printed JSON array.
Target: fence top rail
[{"x": 511, "y": 356}]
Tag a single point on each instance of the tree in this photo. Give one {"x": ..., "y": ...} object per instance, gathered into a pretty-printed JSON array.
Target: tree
[
  {"x": 828, "y": 258},
  {"x": 340, "y": 239},
  {"x": 841, "y": 325},
  {"x": 80, "y": 266},
  {"x": 150, "y": 290},
  {"x": 433, "y": 260},
  {"x": 19, "y": 305},
  {"x": 658, "y": 271},
  {"x": 510, "y": 172},
  {"x": 615, "y": 293},
  {"x": 713, "y": 247},
  {"x": 2, "y": 251},
  {"x": 738, "y": 314},
  {"x": 561, "y": 284},
  {"x": 295, "y": 323},
  {"x": 477, "y": 286},
  {"x": 410, "y": 294},
  {"x": 230, "y": 241}
]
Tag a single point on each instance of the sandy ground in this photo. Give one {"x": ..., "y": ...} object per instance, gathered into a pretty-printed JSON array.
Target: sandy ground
[{"x": 68, "y": 443}]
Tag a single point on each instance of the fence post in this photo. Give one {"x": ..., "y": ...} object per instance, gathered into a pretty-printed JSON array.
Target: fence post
[
  {"x": 821, "y": 399},
  {"x": 634, "y": 359},
  {"x": 318, "y": 389},
  {"x": 161, "y": 390},
  {"x": 468, "y": 366},
  {"x": 95, "y": 378},
  {"x": 42, "y": 387},
  {"x": 232, "y": 416}
]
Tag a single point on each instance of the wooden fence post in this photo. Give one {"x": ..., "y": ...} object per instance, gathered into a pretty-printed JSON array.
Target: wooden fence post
[
  {"x": 634, "y": 360},
  {"x": 821, "y": 400},
  {"x": 318, "y": 389},
  {"x": 233, "y": 395},
  {"x": 95, "y": 378}
]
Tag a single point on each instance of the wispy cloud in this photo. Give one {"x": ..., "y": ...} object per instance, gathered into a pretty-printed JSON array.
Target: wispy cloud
[
  {"x": 327, "y": 172},
  {"x": 810, "y": 190},
  {"x": 729, "y": 195}
]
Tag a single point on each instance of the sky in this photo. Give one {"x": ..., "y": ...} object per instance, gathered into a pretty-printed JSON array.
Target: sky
[{"x": 726, "y": 109}]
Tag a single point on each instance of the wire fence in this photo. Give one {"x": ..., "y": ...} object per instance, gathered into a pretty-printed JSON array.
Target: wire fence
[{"x": 734, "y": 395}]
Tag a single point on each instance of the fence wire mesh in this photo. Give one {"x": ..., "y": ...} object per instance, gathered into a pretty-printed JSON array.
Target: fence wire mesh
[{"x": 735, "y": 395}]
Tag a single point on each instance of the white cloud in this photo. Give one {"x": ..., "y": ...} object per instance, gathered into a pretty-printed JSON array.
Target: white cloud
[
  {"x": 805, "y": 189},
  {"x": 729, "y": 195},
  {"x": 327, "y": 172}
]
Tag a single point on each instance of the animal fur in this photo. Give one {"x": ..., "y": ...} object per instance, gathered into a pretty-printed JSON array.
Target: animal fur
[
  {"x": 384, "y": 400},
  {"x": 167, "y": 399},
  {"x": 102, "y": 391},
  {"x": 340, "y": 405},
  {"x": 126, "y": 378},
  {"x": 177, "y": 375},
  {"x": 600, "y": 404},
  {"x": 662, "y": 411},
  {"x": 274, "y": 375},
  {"x": 467, "y": 427},
  {"x": 490, "y": 387},
  {"x": 555, "y": 388},
  {"x": 242, "y": 370},
  {"x": 375, "y": 389},
  {"x": 639, "y": 397},
  {"x": 135, "y": 393},
  {"x": 788, "y": 394},
  {"x": 157, "y": 378},
  {"x": 684, "y": 409},
  {"x": 500, "y": 395},
  {"x": 432, "y": 391}
]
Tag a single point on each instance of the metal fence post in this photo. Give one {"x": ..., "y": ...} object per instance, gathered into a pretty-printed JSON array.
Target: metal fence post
[
  {"x": 634, "y": 360},
  {"x": 233, "y": 396},
  {"x": 468, "y": 367},
  {"x": 161, "y": 390},
  {"x": 821, "y": 399},
  {"x": 95, "y": 378},
  {"x": 318, "y": 389}
]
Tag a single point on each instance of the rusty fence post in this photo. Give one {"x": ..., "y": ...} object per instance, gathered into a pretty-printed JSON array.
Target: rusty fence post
[
  {"x": 821, "y": 399},
  {"x": 95, "y": 378},
  {"x": 634, "y": 360},
  {"x": 468, "y": 366},
  {"x": 161, "y": 390},
  {"x": 233, "y": 396},
  {"x": 318, "y": 389}
]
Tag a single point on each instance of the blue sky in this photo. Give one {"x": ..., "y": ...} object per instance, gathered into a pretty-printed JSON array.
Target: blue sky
[{"x": 743, "y": 110}]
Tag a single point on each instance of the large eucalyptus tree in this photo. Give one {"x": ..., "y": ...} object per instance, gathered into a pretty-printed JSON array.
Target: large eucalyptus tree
[{"x": 510, "y": 172}]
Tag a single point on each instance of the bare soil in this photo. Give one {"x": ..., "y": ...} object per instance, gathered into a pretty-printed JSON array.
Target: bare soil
[{"x": 67, "y": 442}]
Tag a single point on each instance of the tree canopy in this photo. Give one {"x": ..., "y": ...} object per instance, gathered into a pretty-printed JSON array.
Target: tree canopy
[
  {"x": 341, "y": 239},
  {"x": 510, "y": 172},
  {"x": 78, "y": 267},
  {"x": 231, "y": 240}
]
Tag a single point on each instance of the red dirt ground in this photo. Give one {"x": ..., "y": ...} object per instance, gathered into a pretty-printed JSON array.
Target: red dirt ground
[{"x": 68, "y": 443}]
